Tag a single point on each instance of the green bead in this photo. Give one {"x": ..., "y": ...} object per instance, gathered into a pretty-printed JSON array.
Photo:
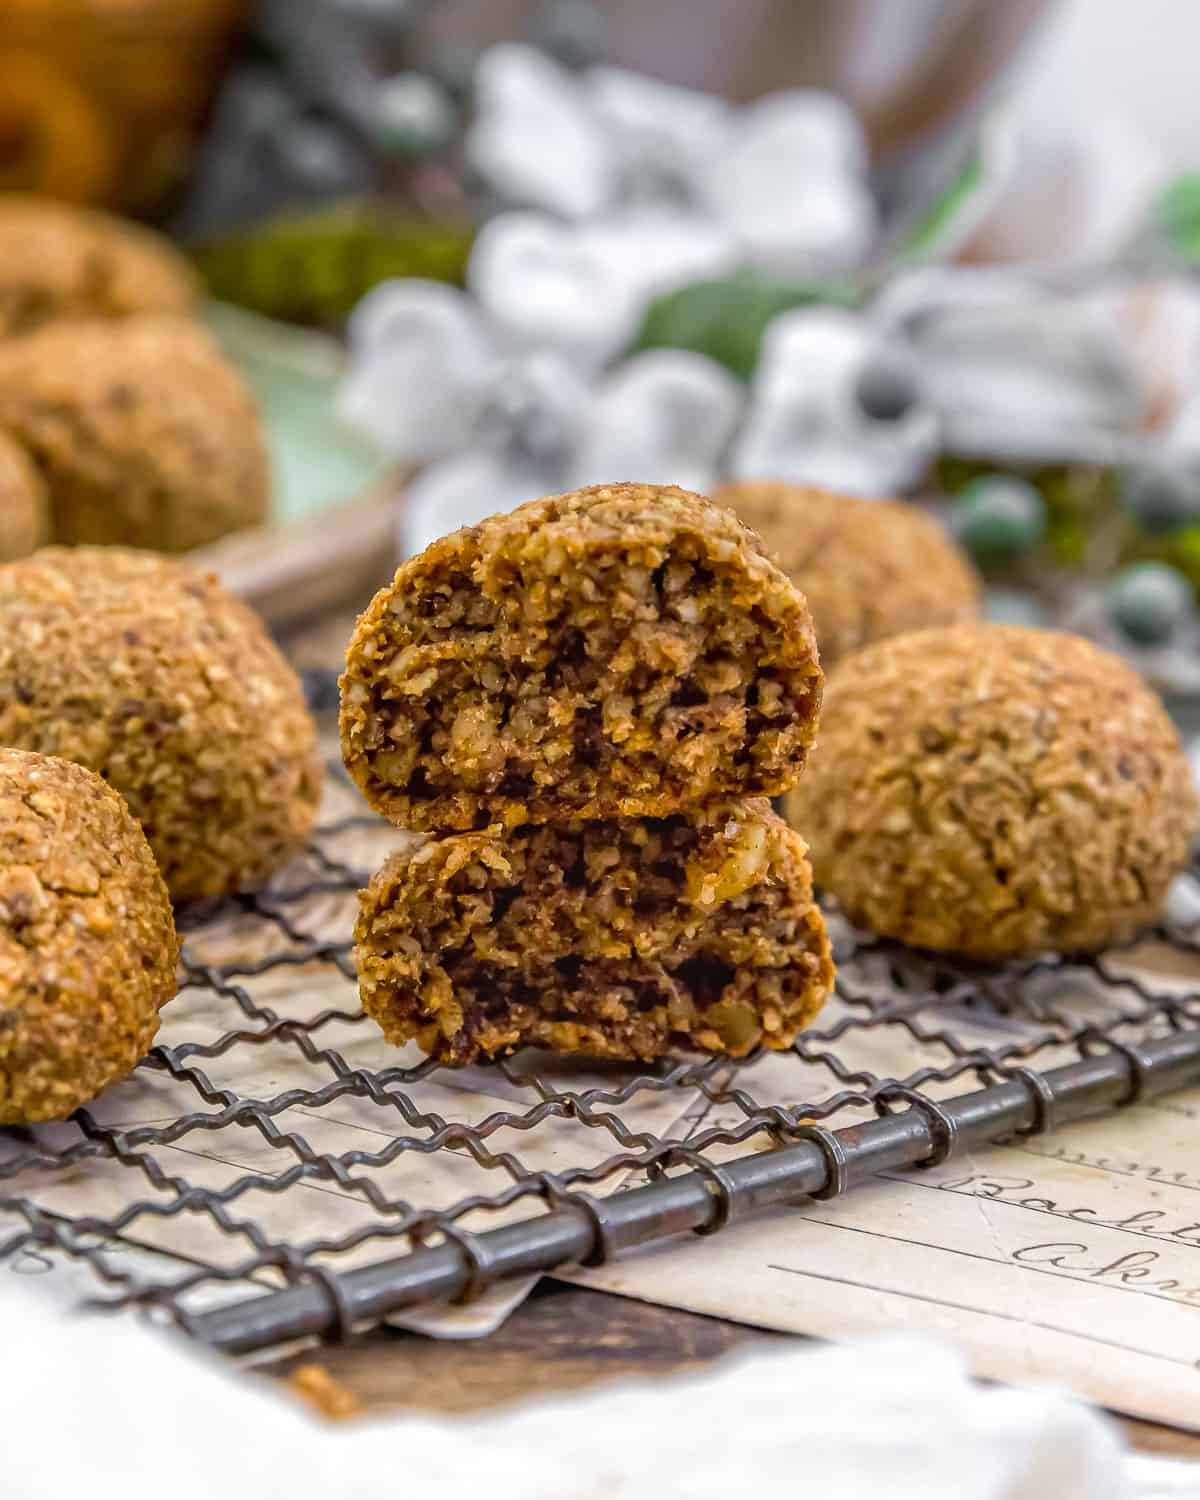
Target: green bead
[
  {"x": 1160, "y": 499},
  {"x": 573, "y": 31},
  {"x": 412, "y": 115},
  {"x": 999, "y": 518},
  {"x": 1149, "y": 601}
]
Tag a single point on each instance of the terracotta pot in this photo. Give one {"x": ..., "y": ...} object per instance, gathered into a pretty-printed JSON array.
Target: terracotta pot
[{"x": 101, "y": 101}]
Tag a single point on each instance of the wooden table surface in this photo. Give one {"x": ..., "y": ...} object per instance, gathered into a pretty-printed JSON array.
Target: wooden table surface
[{"x": 564, "y": 1338}]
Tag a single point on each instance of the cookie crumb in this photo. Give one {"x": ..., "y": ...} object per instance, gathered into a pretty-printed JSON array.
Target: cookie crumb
[{"x": 327, "y": 1396}]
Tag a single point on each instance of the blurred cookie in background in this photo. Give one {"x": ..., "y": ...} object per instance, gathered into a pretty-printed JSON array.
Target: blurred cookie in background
[
  {"x": 143, "y": 432},
  {"x": 869, "y": 569},
  {"x": 61, "y": 261},
  {"x": 146, "y": 671},
  {"x": 24, "y": 509}
]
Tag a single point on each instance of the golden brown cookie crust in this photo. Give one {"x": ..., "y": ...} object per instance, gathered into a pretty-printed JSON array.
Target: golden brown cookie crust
[
  {"x": 995, "y": 791},
  {"x": 869, "y": 569},
  {"x": 144, "y": 433},
  {"x": 88, "y": 951},
  {"x": 24, "y": 509},
  {"x": 146, "y": 670},
  {"x": 623, "y": 650},
  {"x": 58, "y": 260},
  {"x": 623, "y": 938}
]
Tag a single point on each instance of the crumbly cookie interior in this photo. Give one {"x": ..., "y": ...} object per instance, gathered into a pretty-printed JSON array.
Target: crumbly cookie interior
[{"x": 623, "y": 938}]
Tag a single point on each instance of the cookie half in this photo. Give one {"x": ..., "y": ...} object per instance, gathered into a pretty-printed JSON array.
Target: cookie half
[
  {"x": 623, "y": 938},
  {"x": 620, "y": 651}
]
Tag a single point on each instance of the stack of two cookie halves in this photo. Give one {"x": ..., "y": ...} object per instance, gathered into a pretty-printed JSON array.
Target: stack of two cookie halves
[{"x": 584, "y": 705}]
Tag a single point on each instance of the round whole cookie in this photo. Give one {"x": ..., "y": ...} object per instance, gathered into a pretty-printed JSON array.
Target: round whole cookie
[
  {"x": 87, "y": 940},
  {"x": 146, "y": 670},
  {"x": 23, "y": 505},
  {"x": 995, "y": 791},
  {"x": 58, "y": 260},
  {"x": 869, "y": 569},
  {"x": 623, "y": 650},
  {"x": 145, "y": 435}
]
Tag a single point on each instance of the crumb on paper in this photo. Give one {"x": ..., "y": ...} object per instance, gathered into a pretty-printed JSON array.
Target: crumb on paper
[{"x": 327, "y": 1396}]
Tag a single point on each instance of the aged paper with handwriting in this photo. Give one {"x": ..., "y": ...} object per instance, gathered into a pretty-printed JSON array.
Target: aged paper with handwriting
[{"x": 1071, "y": 1258}]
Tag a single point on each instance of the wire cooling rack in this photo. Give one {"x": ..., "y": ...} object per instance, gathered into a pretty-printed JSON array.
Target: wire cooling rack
[{"x": 274, "y": 1170}]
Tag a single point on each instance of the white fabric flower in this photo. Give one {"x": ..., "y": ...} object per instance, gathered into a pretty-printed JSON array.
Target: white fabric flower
[
  {"x": 542, "y": 285},
  {"x": 1011, "y": 368},
  {"x": 534, "y": 141},
  {"x": 784, "y": 179},
  {"x": 493, "y": 420},
  {"x": 806, "y": 421},
  {"x": 664, "y": 417},
  {"x": 520, "y": 447},
  {"x": 788, "y": 183},
  {"x": 661, "y": 136},
  {"x": 420, "y": 364}
]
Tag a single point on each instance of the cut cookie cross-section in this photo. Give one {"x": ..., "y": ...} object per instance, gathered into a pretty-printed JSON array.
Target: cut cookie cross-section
[{"x": 625, "y": 650}]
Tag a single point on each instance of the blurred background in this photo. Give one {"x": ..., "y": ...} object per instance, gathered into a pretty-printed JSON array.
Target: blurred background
[{"x": 473, "y": 251}]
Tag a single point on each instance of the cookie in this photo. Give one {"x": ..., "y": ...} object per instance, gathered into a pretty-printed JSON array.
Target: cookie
[
  {"x": 995, "y": 791},
  {"x": 24, "y": 511},
  {"x": 88, "y": 951},
  {"x": 58, "y": 260},
  {"x": 147, "y": 671},
  {"x": 144, "y": 434},
  {"x": 869, "y": 569},
  {"x": 622, "y": 938},
  {"x": 624, "y": 650}
]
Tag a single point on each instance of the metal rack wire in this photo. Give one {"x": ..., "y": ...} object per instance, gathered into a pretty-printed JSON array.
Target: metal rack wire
[{"x": 542, "y": 1165}]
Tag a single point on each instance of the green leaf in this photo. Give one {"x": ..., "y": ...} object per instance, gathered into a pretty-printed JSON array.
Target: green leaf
[
  {"x": 927, "y": 235},
  {"x": 1177, "y": 216},
  {"x": 726, "y": 319},
  {"x": 313, "y": 267},
  {"x": 295, "y": 373}
]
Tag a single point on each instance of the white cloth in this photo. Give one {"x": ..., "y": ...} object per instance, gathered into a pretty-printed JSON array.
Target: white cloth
[{"x": 98, "y": 1406}]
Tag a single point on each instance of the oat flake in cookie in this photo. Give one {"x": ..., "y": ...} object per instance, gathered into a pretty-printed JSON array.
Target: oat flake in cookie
[
  {"x": 87, "y": 940},
  {"x": 623, "y": 650},
  {"x": 147, "y": 671},
  {"x": 995, "y": 791},
  {"x": 622, "y": 938}
]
